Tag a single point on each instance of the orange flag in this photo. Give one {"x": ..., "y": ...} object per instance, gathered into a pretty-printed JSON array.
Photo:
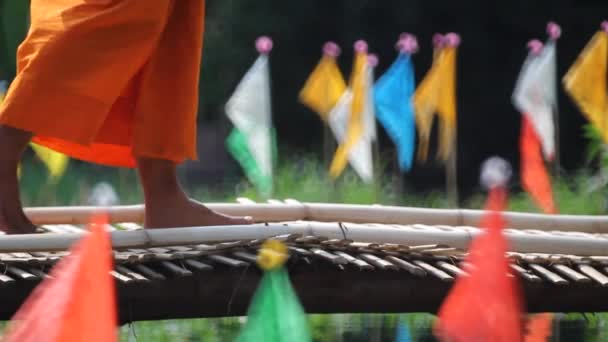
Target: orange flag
[
  {"x": 485, "y": 305},
  {"x": 78, "y": 302},
  {"x": 539, "y": 328},
  {"x": 534, "y": 177}
]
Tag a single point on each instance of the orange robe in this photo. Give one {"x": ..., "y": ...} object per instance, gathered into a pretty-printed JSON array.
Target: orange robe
[{"x": 107, "y": 80}]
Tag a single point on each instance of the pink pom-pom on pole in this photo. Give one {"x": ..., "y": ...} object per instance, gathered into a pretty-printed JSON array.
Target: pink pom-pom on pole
[
  {"x": 605, "y": 26},
  {"x": 331, "y": 49},
  {"x": 407, "y": 43},
  {"x": 263, "y": 45},
  {"x": 361, "y": 46},
  {"x": 372, "y": 60},
  {"x": 553, "y": 30},
  {"x": 535, "y": 47},
  {"x": 438, "y": 40},
  {"x": 452, "y": 39}
]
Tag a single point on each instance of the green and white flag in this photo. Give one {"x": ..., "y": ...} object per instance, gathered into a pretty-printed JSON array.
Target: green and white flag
[{"x": 252, "y": 142}]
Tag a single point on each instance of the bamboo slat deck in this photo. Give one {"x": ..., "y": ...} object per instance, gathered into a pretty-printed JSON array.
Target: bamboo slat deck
[{"x": 338, "y": 266}]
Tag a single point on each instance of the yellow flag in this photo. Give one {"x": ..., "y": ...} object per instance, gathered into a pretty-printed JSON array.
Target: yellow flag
[
  {"x": 436, "y": 93},
  {"x": 359, "y": 86},
  {"x": 446, "y": 107},
  {"x": 585, "y": 82},
  {"x": 55, "y": 162},
  {"x": 425, "y": 104},
  {"x": 324, "y": 87}
]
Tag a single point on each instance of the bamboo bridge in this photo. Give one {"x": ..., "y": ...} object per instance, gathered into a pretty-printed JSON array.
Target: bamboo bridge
[{"x": 343, "y": 258}]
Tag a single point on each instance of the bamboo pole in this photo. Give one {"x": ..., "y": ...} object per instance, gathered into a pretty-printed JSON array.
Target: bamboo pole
[
  {"x": 326, "y": 212},
  {"x": 404, "y": 235}
]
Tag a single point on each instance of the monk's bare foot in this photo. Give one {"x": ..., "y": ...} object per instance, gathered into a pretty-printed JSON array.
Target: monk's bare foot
[
  {"x": 14, "y": 221},
  {"x": 187, "y": 213}
]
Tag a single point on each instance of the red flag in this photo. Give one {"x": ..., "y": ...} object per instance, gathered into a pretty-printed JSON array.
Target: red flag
[
  {"x": 539, "y": 328},
  {"x": 485, "y": 305},
  {"x": 534, "y": 176},
  {"x": 78, "y": 302}
]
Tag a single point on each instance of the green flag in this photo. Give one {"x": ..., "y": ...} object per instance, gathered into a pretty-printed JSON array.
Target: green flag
[
  {"x": 275, "y": 313},
  {"x": 249, "y": 110},
  {"x": 236, "y": 143}
]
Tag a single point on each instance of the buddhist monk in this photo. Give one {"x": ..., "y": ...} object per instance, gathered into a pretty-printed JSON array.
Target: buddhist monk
[{"x": 113, "y": 82}]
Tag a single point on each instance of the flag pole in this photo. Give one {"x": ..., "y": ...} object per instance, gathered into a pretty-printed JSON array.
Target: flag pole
[
  {"x": 329, "y": 144},
  {"x": 453, "y": 39},
  {"x": 372, "y": 60},
  {"x": 554, "y": 32},
  {"x": 451, "y": 175}
]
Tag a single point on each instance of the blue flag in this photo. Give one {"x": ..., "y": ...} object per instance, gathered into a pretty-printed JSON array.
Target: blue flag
[
  {"x": 403, "y": 333},
  {"x": 394, "y": 108}
]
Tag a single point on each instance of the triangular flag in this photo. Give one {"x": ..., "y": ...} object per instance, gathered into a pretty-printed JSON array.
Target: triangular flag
[
  {"x": 360, "y": 156},
  {"x": 534, "y": 177},
  {"x": 275, "y": 313},
  {"x": 324, "y": 87},
  {"x": 539, "y": 328},
  {"x": 393, "y": 97},
  {"x": 586, "y": 81},
  {"x": 78, "y": 302},
  {"x": 403, "y": 333},
  {"x": 250, "y": 112},
  {"x": 55, "y": 162},
  {"x": 535, "y": 96},
  {"x": 370, "y": 131},
  {"x": 446, "y": 106},
  {"x": 355, "y": 130},
  {"x": 236, "y": 143},
  {"x": 484, "y": 305}
]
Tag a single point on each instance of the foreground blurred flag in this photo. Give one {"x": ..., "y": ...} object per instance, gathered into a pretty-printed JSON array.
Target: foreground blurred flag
[
  {"x": 275, "y": 313},
  {"x": 325, "y": 85},
  {"x": 78, "y": 302},
  {"x": 486, "y": 304},
  {"x": 586, "y": 81},
  {"x": 539, "y": 328},
  {"x": 437, "y": 94},
  {"x": 403, "y": 333},
  {"x": 535, "y": 97},
  {"x": 55, "y": 162},
  {"x": 393, "y": 97},
  {"x": 359, "y": 86},
  {"x": 252, "y": 141},
  {"x": 360, "y": 156}
]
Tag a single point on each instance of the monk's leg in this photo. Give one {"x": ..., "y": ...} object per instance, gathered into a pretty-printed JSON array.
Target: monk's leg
[
  {"x": 12, "y": 144},
  {"x": 167, "y": 205}
]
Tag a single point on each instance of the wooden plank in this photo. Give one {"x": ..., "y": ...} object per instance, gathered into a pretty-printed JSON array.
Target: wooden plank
[
  {"x": 175, "y": 269},
  {"x": 550, "y": 276},
  {"x": 570, "y": 273},
  {"x": 434, "y": 271},
  {"x": 380, "y": 263},
  {"x": 529, "y": 276},
  {"x": 131, "y": 274},
  {"x": 227, "y": 261},
  {"x": 148, "y": 272},
  {"x": 451, "y": 269},
  {"x": 20, "y": 273},
  {"x": 197, "y": 265},
  {"x": 362, "y": 265},
  {"x": 406, "y": 265},
  {"x": 594, "y": 274}
]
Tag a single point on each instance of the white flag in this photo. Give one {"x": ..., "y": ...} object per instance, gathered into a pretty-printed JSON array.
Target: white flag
[
  {"x": 535, "y": 95},
  {"x": 250, "y": 112},
  {"x": 360, "y": 156},
  {"x": 369, "y": 110}
]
